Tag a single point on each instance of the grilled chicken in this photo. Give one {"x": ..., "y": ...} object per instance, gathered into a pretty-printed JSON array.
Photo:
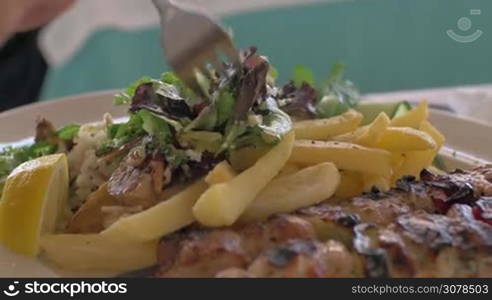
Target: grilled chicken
[
  {"x": 299, "y": 258},
  {"x": 137, "y": 184},
  {"x": 440, "y": 226},
  {"x": 420, "y": 244},
  {"x": 198, "y": 252}
]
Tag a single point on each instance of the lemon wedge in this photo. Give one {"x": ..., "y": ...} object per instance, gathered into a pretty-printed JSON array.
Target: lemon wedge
[{"x": 33, "y": 201}]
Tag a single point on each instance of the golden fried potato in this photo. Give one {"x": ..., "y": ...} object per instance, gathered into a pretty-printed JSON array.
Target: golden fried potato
[
  {"x": 404, "y": 139},
  {"x": 374, "y": 131},
  {"x": 288, "y": 169},
  {"x": 90, "y": 217},
  {"x": 222, "y": 172},
  {"x": 345, "y": 156},
  {"x": 322, "y": 129},
  {"x": 438, "y": 137},
  {"x": 95, "y": 252},
  {"x": 414, "y": 117},
  {"x": 223, "y": 203},
  {"x": 244, "y": 158},
  {"x": 415, "y": 161},
  {"x": 351, "y": 185},
  {"x": 306, "y": 187},
  {"x": 367, "y": 135},
  {"x": 164, "y": 218}
]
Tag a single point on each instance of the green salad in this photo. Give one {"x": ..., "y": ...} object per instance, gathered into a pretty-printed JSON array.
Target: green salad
[{"x": 243, "y": 106}]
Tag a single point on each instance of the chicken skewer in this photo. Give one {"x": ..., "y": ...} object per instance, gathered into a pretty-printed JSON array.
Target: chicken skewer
[{"x": 427, "y": 228}]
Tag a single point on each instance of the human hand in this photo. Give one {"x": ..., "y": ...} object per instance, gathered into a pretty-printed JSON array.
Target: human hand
[{"x": 23, "y": 15}]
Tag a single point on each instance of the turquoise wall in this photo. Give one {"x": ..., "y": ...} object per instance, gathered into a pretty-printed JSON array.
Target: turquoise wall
[{"x": 386, "y": 44}]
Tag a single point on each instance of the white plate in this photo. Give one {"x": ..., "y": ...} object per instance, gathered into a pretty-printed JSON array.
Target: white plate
[{"x": 468, "y": 144}]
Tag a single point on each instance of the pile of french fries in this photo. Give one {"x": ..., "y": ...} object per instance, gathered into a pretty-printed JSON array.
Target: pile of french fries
[
  {"x": 318, "y": 159},
  {"x": 375, "y": 155}
]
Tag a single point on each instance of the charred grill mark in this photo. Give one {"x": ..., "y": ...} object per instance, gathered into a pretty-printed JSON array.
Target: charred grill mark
[
  {"x": 399, "y": 258},
  {"x": 458, "y": 229},
  {"x": 406, "y": 184},
  {"x": 349, "y": 221},
  {"x": 483, "y": 210},
  {"x": 431, "y": 232},
  {"x": 375, "y": 258},
  {"x": 283, "y": 256},
  {"x": 480, "y": 233},
  {"x": 331, "y": 213},
  {"x": 454, "y": 192},
  {"x": 375, "y": 194}
]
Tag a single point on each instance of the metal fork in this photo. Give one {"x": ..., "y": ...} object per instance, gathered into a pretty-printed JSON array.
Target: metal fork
[{"x": 192, "y": 40}]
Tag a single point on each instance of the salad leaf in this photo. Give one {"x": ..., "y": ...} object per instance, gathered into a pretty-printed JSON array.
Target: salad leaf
[
  {"x": 301, "y": 98},
  {"x": 225, "y": 106},
  {"x": 339, "y": 94},
  {"x": 69, "y": 132},
  {"x": 131, "y": 129},
  {"x": 121, "y": 134},
  {"x": 42, "y": 148},
  {"x": 156, "y": 127},
  {"x": 202, "y": 140},
  {"x": 272, "y": 73},
  {"x": 252, "y": 86},
  {"x": 276, "y": 123},
  {"x": 233, "y": 133},
  {"x": 185, "y": 92},
  {"x": 126, "y": 96},
  {"x": 175, "y": 157},
  {"x": 206, "y": 119},
  {"x": 11, "y": 157},
  {"x": 302, "y": 75},
  {"x": 113, "y": 130},
  {"x": 161, "y": 99},
  {"x": 299, "y": 102}
]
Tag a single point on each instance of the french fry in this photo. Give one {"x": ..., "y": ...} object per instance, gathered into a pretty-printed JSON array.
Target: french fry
[
  {"x": 404, "y": 139},
  {"x": 345, "y": 156},
  {"x": 397, "y": 159},
  {"x": 222, "y": 172},
  {"x": 415, "y": 161},
  {"x": 350, "y": 137},
  {"x": 413, "y": 118},
  {"x": 374, "y": 131},
  {"x": 243, "y": 158},
  {"x": 438, "y": 137},
  {"x": 366, "y": 135},
  {"x": 322, "y": 129},
  {"x": 223, "y": 203},
  {"x": 307, "y": 187},
  {"x": 350, "y": 185},
  {"x": 288, "y": 169},
  {"x": 95, "y": 252},
  {"x": 164, "y": 218}
]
